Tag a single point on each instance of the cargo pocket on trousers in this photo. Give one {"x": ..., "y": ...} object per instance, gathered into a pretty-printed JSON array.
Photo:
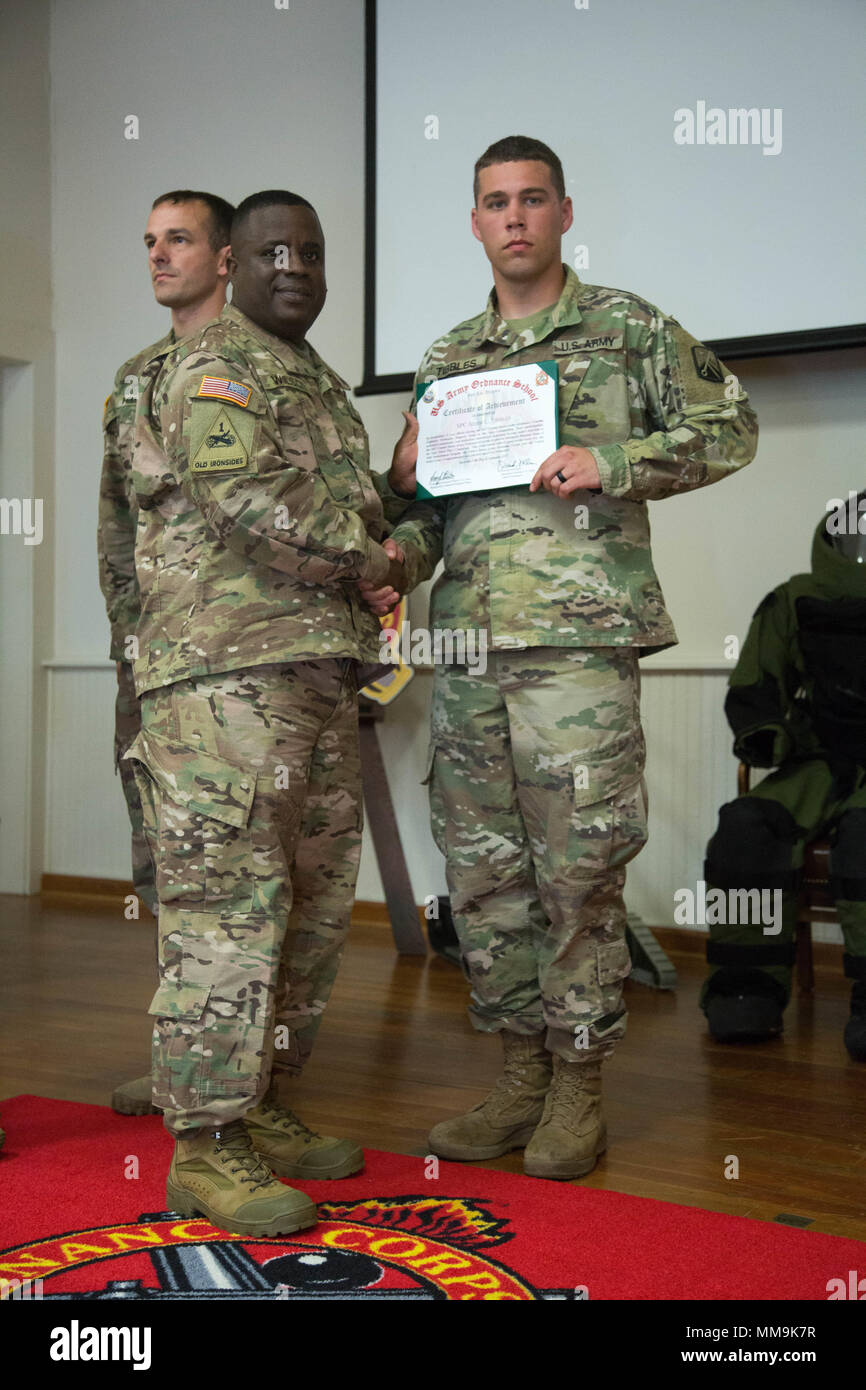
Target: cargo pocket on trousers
[
  {"x": 178, "y": 1011},
  {"x": 437, "y": 812},
  {"x": 613, "y": 961},
  {"x": 201, "y": 808},
  {"x": 428, "y": 766},
  {"x": 604, "y": 770},
  {"x": 607, "y": 825},
  {"x": 182, "y": 1000},
  {"x": 146, "y": 796},
  {"x": 215, "y": 1006}
]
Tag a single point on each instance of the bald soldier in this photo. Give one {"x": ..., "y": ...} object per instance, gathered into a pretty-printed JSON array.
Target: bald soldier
[
  {"x": 536, "y": 766},
  {"x": 259, "y": 517},
  {"x": 187, "y": 241}
]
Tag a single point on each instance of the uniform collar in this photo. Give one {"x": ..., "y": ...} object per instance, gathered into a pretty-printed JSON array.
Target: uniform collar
[
  {"x": 307, "y": 362},
  {"x": 281, "y": 347},
  {"x": 562, "y": 314}
]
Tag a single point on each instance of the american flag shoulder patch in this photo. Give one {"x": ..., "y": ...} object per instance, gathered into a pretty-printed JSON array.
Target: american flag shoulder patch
[{"x": 222, "y": 389}]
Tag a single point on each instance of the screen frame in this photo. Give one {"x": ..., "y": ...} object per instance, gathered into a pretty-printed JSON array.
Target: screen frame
[{"x": 851, "y": 335}]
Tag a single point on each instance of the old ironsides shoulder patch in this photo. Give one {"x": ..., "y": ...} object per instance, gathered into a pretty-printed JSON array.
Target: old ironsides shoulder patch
[{"x": 221, "y": 440}]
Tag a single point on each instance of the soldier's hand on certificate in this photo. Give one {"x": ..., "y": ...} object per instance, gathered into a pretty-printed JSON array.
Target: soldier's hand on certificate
[
  {"x": 384, "y": 599},
  {"x": 567, "y": 471},
  {"x": 405, "y": 456}
]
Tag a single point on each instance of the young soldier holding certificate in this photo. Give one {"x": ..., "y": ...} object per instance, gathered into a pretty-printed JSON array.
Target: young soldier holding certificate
[{"x": 536, "y": 766}]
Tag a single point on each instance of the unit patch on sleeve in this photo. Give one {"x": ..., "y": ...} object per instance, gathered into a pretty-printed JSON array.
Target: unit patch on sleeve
[
  {"x": 219, "y": 441},
  {"x": 707, "y": 364},
  {"x": 696, "y": 369}
]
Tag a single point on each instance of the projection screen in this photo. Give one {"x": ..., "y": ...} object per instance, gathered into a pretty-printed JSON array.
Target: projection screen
[{"x": 714, "y": 153}]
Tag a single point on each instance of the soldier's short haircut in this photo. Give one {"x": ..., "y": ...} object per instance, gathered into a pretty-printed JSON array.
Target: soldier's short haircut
[
  {"x": 221, "y": 212},
  {"x": 519, "y": 147},
  {"x": 269, "y": 198}
]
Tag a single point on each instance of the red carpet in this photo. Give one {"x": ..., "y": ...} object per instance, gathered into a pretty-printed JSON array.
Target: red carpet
[{"x": 82, "y": 1201}]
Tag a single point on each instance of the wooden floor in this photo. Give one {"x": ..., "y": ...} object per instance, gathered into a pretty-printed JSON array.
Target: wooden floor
[{"x": 396, "y": 1054}]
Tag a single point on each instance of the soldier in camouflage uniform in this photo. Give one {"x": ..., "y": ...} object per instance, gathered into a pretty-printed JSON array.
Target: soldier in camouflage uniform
[
  {"x": 187, "y": 238},
  {"x": 259, "y": 516},
  {"x": 536, "y": 767},
  {"x": 796, "y": 703}
]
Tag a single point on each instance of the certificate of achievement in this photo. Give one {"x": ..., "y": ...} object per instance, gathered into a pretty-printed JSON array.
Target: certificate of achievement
[{"x": 486, "y": 429}]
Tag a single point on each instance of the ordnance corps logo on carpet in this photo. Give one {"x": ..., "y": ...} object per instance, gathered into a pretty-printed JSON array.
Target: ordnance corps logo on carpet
[{"x": 400, "y": 1247}]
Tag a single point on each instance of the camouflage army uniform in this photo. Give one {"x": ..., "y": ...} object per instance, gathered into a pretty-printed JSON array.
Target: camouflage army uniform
[
  {"x": 118, "y": 515},
  {"x": 536, "y": 767},
  {"x": 258, "y": 515}
]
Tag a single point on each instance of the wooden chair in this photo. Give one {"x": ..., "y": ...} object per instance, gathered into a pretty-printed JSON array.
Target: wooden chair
[{"x": 815, "y": 902}]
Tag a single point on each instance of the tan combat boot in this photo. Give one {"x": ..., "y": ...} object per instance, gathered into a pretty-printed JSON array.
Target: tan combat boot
[
  {"x": 507, "y": 1117},
  {"x": 217, "y": 1174},
  {"x": 134, "y": 1097},
  {"x": 290, "y": 1149},
  {"x": 572, "y": 1131}
]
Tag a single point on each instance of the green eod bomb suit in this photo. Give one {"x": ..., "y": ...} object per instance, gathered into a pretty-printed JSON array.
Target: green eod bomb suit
[
  {"x": 796, "y": 703},
  {"x": 536, "y": 766}
]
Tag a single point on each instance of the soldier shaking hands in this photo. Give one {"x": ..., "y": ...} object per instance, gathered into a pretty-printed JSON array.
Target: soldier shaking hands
[{"x": 259, "y": 517}]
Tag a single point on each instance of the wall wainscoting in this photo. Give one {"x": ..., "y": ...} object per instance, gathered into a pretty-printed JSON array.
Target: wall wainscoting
[{"x": 690, "y": 773}]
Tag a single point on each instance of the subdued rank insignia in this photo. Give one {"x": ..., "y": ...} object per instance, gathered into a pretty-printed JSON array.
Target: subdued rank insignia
[
  {"x": 707, "y": 364},
  {"x": 221, "y": 449}
]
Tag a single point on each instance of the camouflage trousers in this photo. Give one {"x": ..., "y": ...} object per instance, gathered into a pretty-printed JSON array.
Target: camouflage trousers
[
  {"x": 127, "y": 723},
  {"x": 251, "y": 788},
  {"x": 760, "y": 844},
  {"x": 538, "y": 803}
]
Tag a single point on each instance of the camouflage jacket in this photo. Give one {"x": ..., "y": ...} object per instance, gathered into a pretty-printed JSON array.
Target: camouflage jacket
[
  {"x": 258, "y": 512},
  {"x": 660, "y": 415},
  {"x": 118, "y": 508}
]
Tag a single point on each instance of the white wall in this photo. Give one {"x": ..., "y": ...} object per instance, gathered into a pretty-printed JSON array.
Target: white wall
[
  {"x": 26, "y": 434},
  {"x": 270, "y": 99},
  {"x": 228, "y": 99},
  {"x": 716, "y": 234},
  {"x": 275, "y": 98}
]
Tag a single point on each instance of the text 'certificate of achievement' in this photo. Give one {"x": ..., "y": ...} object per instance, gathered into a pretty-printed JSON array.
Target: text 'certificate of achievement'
[{"x": 486, "y": 429}]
